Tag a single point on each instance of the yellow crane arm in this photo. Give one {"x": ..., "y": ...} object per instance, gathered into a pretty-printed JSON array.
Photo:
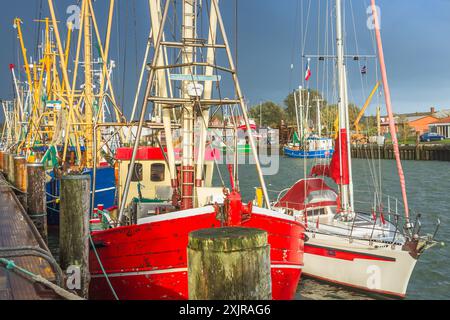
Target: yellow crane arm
[
  {"x": 364, "y": 108},
  {"x": 17, "y": 25}
]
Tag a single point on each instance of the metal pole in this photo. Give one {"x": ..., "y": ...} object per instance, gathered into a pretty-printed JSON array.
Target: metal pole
[
  {"x": 143, "y": 112},
  {"x": 242, "y": 103}
]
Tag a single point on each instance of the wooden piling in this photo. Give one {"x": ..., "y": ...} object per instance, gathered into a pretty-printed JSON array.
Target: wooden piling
[
  {"x": 36, "y": 197},
  {"x": 11, "y": 168},
  {"x": 20, "y": 179},
  {"x": 229, "y": 264},
  {"x": 1, "y": 160},
  {"x": 5, "y": 164},
  {"x": 74, "y": 227}
]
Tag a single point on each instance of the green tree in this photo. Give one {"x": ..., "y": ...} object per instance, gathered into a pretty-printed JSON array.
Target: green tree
[
  {"x": 405, "y": 131},
  {"x": 267, "y": 114},
  {"x": 307, "y": 100}
]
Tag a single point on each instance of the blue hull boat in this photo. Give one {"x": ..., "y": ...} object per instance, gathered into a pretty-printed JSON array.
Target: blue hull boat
[
  {"x": 301, "y": 154},
  {"x": 105, "y": 192}
]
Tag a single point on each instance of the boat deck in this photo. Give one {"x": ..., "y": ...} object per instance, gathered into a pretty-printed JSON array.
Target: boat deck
[
  {"x": 363, "y": 227},
  {"x": 17, "y": 233}
]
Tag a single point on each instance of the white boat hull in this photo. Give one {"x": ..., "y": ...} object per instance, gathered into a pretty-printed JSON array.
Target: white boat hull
[{"x": 378, "y": 268}]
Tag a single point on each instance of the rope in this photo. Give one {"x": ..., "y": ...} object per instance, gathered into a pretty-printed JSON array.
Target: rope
[
  {"x": 103, "y": 269},
  {"x": 10, "y": 265}
]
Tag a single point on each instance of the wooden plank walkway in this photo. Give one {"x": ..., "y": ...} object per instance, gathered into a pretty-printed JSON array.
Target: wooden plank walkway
[{"x": 21, "y": 243}]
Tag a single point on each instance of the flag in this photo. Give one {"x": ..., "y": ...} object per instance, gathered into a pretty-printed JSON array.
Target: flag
[
  {"x": 308, "y": 72},
  {"x": 364, "y": 70}
]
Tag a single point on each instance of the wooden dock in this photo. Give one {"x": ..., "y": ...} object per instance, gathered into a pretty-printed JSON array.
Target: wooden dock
[
  {"x": 420, "y": 152},
  {"x": 22, "y": 246}
]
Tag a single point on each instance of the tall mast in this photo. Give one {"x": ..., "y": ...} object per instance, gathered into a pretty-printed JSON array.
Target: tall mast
[
  {"x": 346, "y": 190},
  {"x": 296, "y": 113},
  {"x": 88, "y": 92},
  {"x": 387, "y": 96},
  {"x": 189, "y": 23},
  {"x": 300, "y": 104}
]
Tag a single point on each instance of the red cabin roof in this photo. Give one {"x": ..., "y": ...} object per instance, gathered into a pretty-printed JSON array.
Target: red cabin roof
[
  {"x": 156, "y": 154},
  {"x": 296, "y": 198},
  {"x": 144, "y": 153}
]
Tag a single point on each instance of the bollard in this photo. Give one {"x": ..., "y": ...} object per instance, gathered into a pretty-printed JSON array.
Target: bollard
[
  {"x": 1, "y": 160},
  {"x": 229, "y": 264},
  {"x": 20, "y": 178},
  {"x": 74, "y": 228},
  {"x": 11, "y": 168},
  {"x": 36, "y": 197},
  {"x": 5, "y": 164}
]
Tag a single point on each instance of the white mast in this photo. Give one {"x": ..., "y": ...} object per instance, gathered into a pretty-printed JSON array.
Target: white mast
[
  {"x": 346, "y": 190},
  {"x": 297, "y": 116},
  {"x": 301, "y": 112}
]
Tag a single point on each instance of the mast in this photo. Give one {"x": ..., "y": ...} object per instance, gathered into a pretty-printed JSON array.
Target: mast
[
  {"x": 203, "y": 117},
  {"x": 297, "y": 115},
  {"x": 189, "y": 33},
  {"x": 88, "y": 92},
  {"x": 319, "y": 120},
  {"x": 346, "y": 190},
  {"x": 300, "y": 104},
  {"x": 387, "y": 96},
  {"x": 156, "y": 17}
]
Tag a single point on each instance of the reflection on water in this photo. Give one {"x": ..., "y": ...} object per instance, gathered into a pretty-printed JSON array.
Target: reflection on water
[{"x": 310, "y": 289}]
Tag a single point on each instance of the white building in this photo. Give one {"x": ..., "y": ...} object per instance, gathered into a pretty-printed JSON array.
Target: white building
[{"x": 441, "y": 127}]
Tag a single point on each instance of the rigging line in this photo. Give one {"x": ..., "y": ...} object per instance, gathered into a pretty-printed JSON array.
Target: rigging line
[
  {"x": 117, "y": 79},
  {"x": 124, "y": 74},
  {"x": 236, "y": 30},
  {"x": 294, "y": 47},
  {"x": 38, "y": 28},
  {"x": 135, "y": 39},
  {"x": 305, "y": 36},
  {"x": 363, "y": 87},
  {"x": 318, "y": 41}
]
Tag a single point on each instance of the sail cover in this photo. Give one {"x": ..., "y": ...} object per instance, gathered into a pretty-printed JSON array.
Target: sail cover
[
  {"x": 338, "y": 169},
  {"x": 308, "y": 193}
]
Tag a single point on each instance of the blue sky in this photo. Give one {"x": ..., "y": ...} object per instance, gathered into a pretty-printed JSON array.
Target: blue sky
[{"x": 269, "y": 40}]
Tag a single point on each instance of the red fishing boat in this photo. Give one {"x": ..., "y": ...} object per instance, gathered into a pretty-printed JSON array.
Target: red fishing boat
[{"x": 165, "y": 193}]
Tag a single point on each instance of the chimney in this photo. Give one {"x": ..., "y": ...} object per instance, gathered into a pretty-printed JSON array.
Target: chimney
[{"x": 433, "y": 110}]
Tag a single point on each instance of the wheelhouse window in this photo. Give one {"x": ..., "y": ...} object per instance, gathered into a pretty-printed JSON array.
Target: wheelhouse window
[
  {"x": 137, "y": 172},
  {"x": 157, "y": 172},
  {"x": 317, "y": 212}
]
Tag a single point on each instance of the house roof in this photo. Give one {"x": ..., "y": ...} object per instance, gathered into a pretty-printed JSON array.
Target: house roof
[
  {"x": 442, "y": 114},
  {"x": 410, "y": 118},
  {"x": 442, "y": 121}
]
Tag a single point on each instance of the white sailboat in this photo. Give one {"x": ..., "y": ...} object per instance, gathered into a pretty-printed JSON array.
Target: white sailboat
[{"x": 374, "y": 249}]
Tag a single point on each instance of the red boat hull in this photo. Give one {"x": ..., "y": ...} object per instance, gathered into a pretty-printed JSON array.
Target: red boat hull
[{"x": 149, "y": 261}]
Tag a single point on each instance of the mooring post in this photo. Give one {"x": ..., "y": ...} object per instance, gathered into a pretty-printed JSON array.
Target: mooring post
[
  {"x": 229, "y": 264},
  {"x": 11, "y": 168},
  {"x": 36, "y": 197},
  {"x": 20, "y": 179},
  {"x": 5, "y": 164},
  {"x": 1, "y": 160},
  {"x": 74, "y": 228}
]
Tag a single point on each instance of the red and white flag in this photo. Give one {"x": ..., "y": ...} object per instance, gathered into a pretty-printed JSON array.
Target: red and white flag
[{"x": 308, "y": 72}]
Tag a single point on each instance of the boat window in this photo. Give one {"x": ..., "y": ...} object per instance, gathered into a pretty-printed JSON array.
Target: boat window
[
  {"x": 316, "y": 212},
  {"x": 158, "y": 172},
  {"x": 137, "y": 173}
]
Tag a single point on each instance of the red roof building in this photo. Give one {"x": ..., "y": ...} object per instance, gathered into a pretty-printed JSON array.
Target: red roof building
[{"x": 441, "y": 127}]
